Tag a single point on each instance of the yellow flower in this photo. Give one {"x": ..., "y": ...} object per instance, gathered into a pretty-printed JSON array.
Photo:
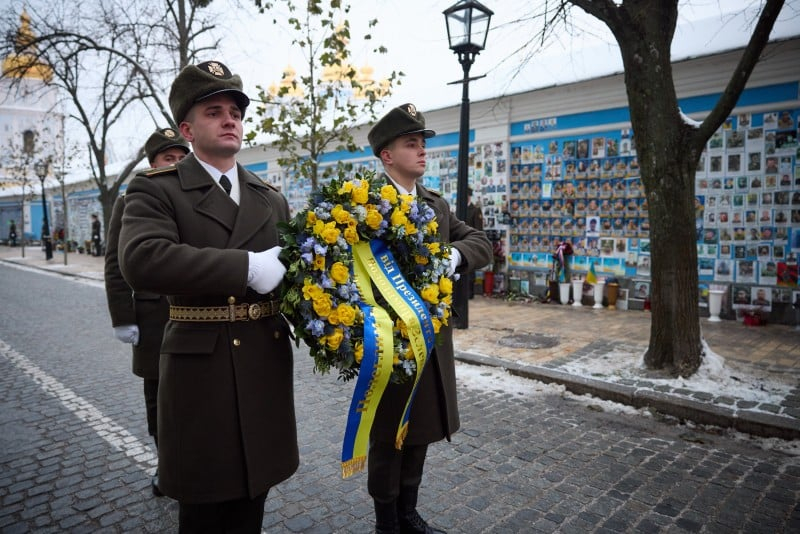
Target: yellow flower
[
  {"x": 398, "y": 217},
  {"x": 334, "y": 339},
  {"x": 437, "y": 325},
  {"x": 322, "y": 305},
  {"x": 340, "y": 215},
  {"x": 407, "y": 200},
  {"x": 374, "y": 218},
  {"x": 447, "y": 299},
  {"x": 319, "y": 226},
  {"x": 434, "y": 247},
  {"x": 351, "y": 235},
  {"x": 421, "y": 260},
  {"x": 358, "y": 352},
  {"x": 346, "y": 314},
  {"x": 361, "y": 194},
  {"x": 431, "y": 293},
  {"x": 333, "y": 317},
  {"x": 346, "y": 188},
  {"x": 433, "y": 226},
  {"x": 445, "y": 285},
  {"x": 319, "y": 262},
  {"x": 311, "y": 218},
  {"x": 396, "y": 359},
  {"x": 340, "y": 273},
  {"x": 388, "y": 192},
  {"x": 400, "y": 325},
  {"x": 330, "y": 234},
  {"x": 311, "y": 290},
  {"x": 410, "y": 228}
]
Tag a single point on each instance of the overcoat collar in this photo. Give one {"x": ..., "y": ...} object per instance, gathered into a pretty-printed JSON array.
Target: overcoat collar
[{"x": 255, "y": 208}]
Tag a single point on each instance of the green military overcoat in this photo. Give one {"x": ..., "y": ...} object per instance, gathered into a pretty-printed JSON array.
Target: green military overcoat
[
  {"x": 434, "y": 413},
  {"x": 148, "y": 311},
  {"x": 226, "y": 419}
]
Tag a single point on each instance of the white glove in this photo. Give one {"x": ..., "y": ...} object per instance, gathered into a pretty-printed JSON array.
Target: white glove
[
  {"x": 265, "y": 270},
  {"x": 455, "y": 261},
  {"x": 128, "y": 333}
]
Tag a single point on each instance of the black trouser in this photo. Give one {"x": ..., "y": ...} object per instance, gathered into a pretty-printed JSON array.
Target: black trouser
[
  {"x": 242, "y": 516},
  {"x": 390, "y": 469},
  {"x": 151, "y": 405}
]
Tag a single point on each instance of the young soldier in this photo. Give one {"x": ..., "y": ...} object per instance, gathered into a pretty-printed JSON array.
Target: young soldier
[
  {"x": 138, "y": 318},
  {"x": 394, "y": 476},
  {"x": 204, "y": 233}
]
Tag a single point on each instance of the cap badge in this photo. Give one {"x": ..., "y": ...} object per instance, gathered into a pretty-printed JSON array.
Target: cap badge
[
  {"x": 412, "y": 110},
  {"x": 168, "y": 133},
  {"x": 216, "y": 69}
]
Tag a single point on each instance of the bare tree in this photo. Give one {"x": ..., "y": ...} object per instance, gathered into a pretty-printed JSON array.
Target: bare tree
[
  {"x": 669, "y": 147},
  {"x": 110, "y": 59},
  {"x": 316, "y": 112}
]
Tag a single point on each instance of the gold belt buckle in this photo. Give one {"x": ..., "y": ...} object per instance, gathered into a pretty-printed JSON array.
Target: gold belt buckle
[{"x": 254, "y": 312}]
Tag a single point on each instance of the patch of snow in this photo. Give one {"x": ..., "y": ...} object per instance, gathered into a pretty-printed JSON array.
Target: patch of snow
[
  {"x": 714, "y": 376},
  {"x": 688, "y": 120}
]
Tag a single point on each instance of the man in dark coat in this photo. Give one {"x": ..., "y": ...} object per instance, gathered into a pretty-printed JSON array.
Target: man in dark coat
[
  {"x": 394, "y": 476},
  {"x": 139, "y": 318},
  {"x": 475, "y": 220},
  {"x": 96, "y": 238},
  {"x": 204, "y": 233},
  {"x": 12, "y": 233}
]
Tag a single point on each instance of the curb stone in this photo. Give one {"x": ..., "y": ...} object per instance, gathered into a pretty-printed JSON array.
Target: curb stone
[{"x": 751, "y": 422}]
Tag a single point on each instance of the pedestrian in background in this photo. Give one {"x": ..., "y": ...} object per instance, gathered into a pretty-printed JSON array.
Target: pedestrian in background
[
  {"x": 204, "y": 233},
  {"x": 96, "y": 231},
  {"x": 12, "y": 233},
  {"x": 139, "y": 317},
  {"x": 475, "y": 220},
  {"x": 394, "y": 476}
]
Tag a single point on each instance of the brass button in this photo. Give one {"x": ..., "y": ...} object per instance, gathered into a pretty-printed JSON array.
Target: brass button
[
  {"x": 237, "y": 342},
  {"x": 254, "y": 311},
  {"x": 231, "y": 300},
  {"x": 277, "y": 334}
]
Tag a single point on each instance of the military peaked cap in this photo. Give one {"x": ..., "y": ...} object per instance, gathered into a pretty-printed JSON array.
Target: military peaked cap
[
  {"x": 402, "y": 120},
  {"x": 163, "y": 139},
  {"x": 197, "y": 82}
]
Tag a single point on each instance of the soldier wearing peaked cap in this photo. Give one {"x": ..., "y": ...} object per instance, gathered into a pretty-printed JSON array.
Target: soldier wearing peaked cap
[
  {"x": 204, "y": 233},
  {"x": 139, "y": 317},
  {"x": 394, "y": 476}
]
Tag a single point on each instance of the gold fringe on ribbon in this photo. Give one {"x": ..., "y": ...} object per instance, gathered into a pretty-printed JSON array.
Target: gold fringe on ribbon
[
  {"x": 401, "y": 436},
  {"x": 353, "y": 466}
]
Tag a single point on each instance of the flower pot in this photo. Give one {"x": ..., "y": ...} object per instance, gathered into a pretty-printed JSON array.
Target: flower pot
[
  {"x": 598, "y": 294},
  {"x": 715, "y": 304},
  {"x": 612, "y": 295},
  {"x": 622, "y": 299},
  {"x": 577, "y": 291},
  {"x": 563, "y": 292}
]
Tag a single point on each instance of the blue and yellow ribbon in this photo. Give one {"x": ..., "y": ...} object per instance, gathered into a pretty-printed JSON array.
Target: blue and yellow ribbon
[{"x": 374, "y": 263}]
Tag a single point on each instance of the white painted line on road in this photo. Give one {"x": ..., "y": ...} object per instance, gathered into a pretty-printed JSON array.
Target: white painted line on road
[
  {"x": 53, "y": 271},
  {"x": 105, "y": 427}
]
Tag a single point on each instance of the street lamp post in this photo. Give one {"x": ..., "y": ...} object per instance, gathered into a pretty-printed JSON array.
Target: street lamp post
[
  {"x": 467, "y": 28},
  {"x": 60, "y": 175},
  {"x": 41, "y": 168}
]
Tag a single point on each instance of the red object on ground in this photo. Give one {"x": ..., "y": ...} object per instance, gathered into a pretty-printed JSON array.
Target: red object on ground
[{"x": 488, "y": 283}]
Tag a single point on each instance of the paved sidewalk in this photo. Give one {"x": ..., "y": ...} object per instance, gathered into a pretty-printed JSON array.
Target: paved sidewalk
[{"x": 597, "y": 352}]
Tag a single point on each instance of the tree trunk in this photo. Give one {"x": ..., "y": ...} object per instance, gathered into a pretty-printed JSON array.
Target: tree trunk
[{"x": 667, "y": 161}]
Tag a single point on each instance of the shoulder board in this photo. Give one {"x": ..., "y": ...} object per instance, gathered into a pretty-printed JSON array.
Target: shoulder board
[
  {"x": 158, "y": 171},
  {"x": 435, "y": 192}
]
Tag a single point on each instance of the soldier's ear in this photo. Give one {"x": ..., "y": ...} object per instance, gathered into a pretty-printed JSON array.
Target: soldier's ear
[{"x": 186, "y": 131}]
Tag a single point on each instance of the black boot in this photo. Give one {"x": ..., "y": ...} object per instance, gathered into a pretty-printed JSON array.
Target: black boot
[
  {"x": 408, "y": 517},
  {"x": 154, "y": 481},
  {"x": 386, "y": 518}
]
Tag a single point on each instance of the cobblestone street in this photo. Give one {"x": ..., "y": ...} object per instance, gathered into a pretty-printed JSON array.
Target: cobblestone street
[{"x": 529, "y": 458}]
